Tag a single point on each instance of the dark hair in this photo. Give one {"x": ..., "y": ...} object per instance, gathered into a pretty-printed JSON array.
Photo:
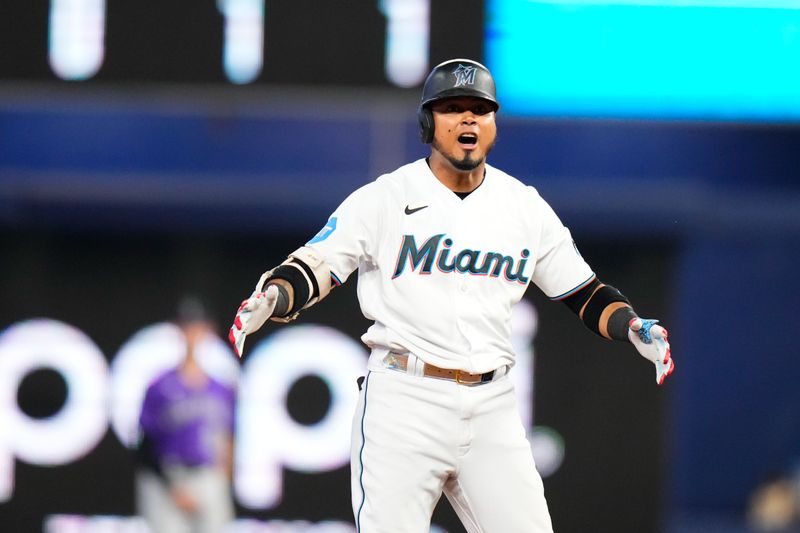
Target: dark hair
[{"x": 191, "y": 309}]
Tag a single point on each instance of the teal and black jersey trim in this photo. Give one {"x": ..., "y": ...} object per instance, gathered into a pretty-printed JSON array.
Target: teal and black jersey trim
[{"x": 576, "y": 289}]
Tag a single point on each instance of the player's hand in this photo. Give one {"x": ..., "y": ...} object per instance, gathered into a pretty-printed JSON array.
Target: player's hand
[
  {"x": 650, "y": 340},
  {"x": 251, "y": 316},
  {"x": 184, "y": 500}
]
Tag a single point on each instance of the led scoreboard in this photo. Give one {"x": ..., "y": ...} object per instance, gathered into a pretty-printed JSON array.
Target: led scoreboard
[{"x": 373, "y": 43}]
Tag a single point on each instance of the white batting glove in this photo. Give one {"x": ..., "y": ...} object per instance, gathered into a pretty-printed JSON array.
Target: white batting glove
[
  {"x": 251, "y": 316},
  {"x": 650, "y": 340}
]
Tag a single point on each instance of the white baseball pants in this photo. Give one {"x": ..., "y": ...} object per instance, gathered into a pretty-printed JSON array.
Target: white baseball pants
[{"x": 416, "y": 437}]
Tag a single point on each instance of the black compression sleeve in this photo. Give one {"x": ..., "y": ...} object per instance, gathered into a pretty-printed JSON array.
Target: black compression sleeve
[
  {"x": 299, "y": 284},
  {"x": 593, "y": 300},
  {"x": 601, "y": 299},
  {"x": 576, "y": 301}
]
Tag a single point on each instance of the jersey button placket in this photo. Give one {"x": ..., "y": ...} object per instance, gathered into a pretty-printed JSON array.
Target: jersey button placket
[
  {"x": 461, "y": 285},
  {"x": 460, "y": 306}
]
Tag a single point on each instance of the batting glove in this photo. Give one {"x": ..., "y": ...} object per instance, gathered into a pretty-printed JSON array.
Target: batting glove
[
  {"x": 650, "y": 340},
  {"x": 251, "y": 316}
]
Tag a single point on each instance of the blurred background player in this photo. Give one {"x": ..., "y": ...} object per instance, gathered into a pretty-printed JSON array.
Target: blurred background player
[{"x": 183, "y": 483}]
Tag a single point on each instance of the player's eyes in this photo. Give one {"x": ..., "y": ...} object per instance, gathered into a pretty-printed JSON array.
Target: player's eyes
[{"x": 476, "y": 109}]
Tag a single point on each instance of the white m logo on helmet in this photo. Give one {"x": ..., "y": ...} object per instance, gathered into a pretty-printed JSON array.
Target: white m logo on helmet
[{"x": 465, "y": 75}]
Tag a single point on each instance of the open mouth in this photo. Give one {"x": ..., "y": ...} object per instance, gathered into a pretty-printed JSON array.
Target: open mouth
[{"x": 468, "y": 140}]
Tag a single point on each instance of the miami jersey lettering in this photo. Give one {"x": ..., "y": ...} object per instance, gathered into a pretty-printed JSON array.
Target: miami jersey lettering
[{"x": 466, "y": 261}]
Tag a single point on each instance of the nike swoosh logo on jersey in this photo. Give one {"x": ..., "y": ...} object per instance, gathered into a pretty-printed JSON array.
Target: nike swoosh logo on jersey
[{"x": 410, "y": 211}]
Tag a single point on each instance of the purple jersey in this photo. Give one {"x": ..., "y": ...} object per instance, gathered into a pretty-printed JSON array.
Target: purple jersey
[{"x": 187, "y": 424}]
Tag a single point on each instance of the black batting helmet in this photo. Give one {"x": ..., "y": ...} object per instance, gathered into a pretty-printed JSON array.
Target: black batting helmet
[{"x": 456, "y": 77}]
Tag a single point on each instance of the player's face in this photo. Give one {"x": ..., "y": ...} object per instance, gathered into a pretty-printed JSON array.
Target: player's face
[
  {"x": 464, "y": 130},
  {"x": 196, "y": 332}
]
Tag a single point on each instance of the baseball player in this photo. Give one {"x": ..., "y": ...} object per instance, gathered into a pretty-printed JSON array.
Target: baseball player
[
  {"x": 444, "y": 248},
  {"x": 185, "y": 453}
]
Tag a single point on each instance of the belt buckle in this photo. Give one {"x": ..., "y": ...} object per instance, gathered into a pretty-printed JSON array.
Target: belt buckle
[
  {"x": 460, "y": 381},
  {"x": 393, "y": 362}
]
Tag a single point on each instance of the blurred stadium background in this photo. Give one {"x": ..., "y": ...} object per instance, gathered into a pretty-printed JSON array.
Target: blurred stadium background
[{"x": 154, "y": 149}]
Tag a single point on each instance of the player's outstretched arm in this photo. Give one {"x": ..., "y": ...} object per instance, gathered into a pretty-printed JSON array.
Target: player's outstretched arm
[
  {"x": 281, "y": 293},
  {"x": 605, "y": 311}
]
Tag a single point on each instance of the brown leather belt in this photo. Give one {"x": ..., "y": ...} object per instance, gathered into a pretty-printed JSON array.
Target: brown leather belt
[{"x": 398, "y": 361}]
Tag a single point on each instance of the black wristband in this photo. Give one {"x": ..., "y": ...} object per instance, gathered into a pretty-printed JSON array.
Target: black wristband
[
  {"x": 618, "y": 323},
  {"x": 282, "y": 303},
  {"x": 298, "y": 281}
]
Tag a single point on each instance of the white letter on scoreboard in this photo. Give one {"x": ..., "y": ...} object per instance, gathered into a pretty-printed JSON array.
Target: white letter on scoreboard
[
  {"x": 407, "y": 36},
  {"x": 77, "y": 34},
  {"x": 243, "y": 51}
]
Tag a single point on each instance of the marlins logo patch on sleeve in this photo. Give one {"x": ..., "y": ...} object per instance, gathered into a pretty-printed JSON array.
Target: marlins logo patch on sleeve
[{"x": 325, "y": 232}]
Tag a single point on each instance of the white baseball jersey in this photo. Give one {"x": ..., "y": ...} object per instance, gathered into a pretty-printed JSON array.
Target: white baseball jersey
[{"x": 439, "y": 275}]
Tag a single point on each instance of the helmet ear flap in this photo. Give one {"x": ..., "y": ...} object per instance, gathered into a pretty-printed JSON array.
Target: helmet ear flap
[{"x": 425, "y": 118}]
